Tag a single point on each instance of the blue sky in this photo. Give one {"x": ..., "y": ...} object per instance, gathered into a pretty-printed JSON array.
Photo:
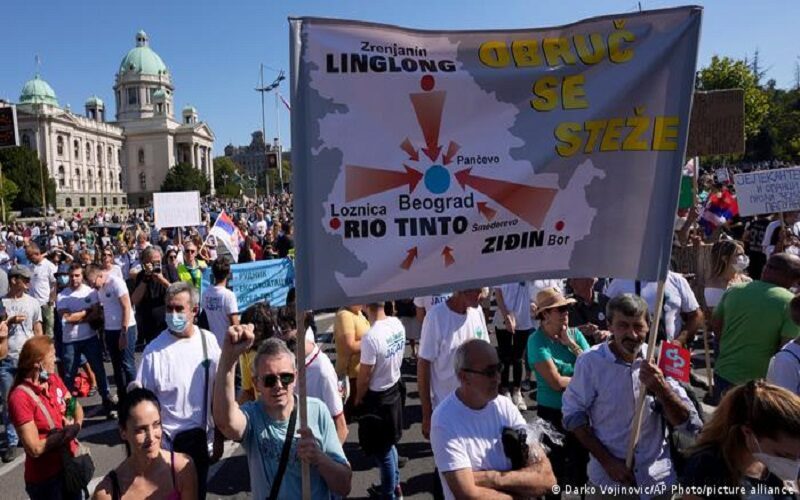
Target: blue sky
[{"x": 213, "y": 48}]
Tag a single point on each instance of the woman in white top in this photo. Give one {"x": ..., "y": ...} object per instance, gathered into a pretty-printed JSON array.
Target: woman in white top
[{"x": 728, "y": 264}]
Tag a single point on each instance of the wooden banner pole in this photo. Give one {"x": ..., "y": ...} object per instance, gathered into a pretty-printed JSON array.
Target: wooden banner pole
[
  {"x": 651, "y": 348},
  {"x": 300, "y": 354}
]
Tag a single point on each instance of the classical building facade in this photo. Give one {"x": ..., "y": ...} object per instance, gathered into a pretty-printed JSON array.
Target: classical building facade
[{"x": 97, "y": 163}]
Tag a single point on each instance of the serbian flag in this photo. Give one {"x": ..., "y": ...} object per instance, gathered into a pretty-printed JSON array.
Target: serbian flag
[
  {"x": 226, "y": 232},
  {"x": 720, "y": 208},
  {"x": 284, "y": 101}
]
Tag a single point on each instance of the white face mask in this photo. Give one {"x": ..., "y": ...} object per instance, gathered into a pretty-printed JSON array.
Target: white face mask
[
  {"x": 741, "y": 263},
  {"x": 785, "y": 468}
]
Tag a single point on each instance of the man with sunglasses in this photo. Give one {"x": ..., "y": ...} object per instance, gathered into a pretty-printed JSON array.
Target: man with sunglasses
[
  {"x": 262, "y": 426},
  {"x": 191, "y": 269},
  {"x": 467, "y": 434},
  {"x": 179, "y": 366}
]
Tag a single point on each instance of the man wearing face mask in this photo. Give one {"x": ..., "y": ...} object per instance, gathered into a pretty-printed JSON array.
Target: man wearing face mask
[
  {"x": 754, "y": 321},
  {"x": 179, "y": 366},
  {"x": 600, "y": 401}
]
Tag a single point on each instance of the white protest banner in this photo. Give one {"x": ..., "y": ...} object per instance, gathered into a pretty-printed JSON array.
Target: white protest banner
[
  {"x": 768, "y": 191},
  {"x": 178, "y": 209},
  {"x": 436, "y": 160},
  {"x": 722, "y": 175}
]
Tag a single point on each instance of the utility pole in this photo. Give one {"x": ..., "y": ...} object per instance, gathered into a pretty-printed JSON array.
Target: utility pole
[{"x": 280, "y": 147}]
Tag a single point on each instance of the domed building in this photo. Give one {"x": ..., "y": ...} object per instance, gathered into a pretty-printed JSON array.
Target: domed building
[{"x": 106, "y": 164}]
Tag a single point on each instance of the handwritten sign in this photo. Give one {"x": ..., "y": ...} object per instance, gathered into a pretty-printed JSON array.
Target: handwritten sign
[
  {"x": 768, "y": 191},
  {"x": 177, "y": 209}
]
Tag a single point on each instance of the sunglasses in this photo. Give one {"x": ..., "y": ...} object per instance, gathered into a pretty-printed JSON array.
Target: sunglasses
[
  {"x": 562, "y": 309},
  {"x": 271, "y": 380},
  {"x": 490, "y": 371}
]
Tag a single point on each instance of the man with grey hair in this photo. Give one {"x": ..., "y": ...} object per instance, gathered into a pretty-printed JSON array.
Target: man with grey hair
[
  {"x": 600, "y": 402},
  {"x": 266, "y": 427},
  {"x": 179, "y": 366},
  {"x": 467, "y": 434}
]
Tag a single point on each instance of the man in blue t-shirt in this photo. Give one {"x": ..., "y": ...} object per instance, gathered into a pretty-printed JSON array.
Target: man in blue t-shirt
[{"x": 262, "y": 425}]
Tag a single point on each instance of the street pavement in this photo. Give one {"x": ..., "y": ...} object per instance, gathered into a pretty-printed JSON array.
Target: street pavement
[{"x": 229, "y": 478}]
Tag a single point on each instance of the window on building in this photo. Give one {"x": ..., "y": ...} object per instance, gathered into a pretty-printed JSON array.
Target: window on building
[
  {"x": 26, "y": 141},
  {"x": 143, "y": 181},
  {"x": 60, "y": 146},
  {"x": 76, "y": 149},
  {"x": 188, "y": 119},
  {"x": 94, "y": 201},
  {"x": 141, "y": 156},
  {"x": 159, "y": 108},
  {"x": 61, "y": 182},
  {"x": 61, "y": 176},
  {"x": 99, "y": 155},
  {"x": 115, "y": 200},
  {"x": 82, "y": 201},
  {"x": 88, "y": 152},
  {"x": 110, "y": 156},
  {"x": 119, "y": 156},
  {"x": 68, "y": 202},
  {"x": 133, "y": 96}
]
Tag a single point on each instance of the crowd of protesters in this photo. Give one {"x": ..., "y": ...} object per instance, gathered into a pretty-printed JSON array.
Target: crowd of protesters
[{"x": 80, "y": 291}]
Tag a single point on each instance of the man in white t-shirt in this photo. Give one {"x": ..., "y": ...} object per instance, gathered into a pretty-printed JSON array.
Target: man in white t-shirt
[
  {"x": 75, "y": 306},
  {"x": 378, "y": 392},
  {"x": 447, "y": 325},
  {"x": 119, "y": 324},
  {"x": 179, "y": 366},
  {"x": 784, "y": 367},
  {"x": 679, "y": 300},
  {"x": 467, "y": 429},
  {"x": 43, "y": 285},
  {"x": 219, "y": 303}
]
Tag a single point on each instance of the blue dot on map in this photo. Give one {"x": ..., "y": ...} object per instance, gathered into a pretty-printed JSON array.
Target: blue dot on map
[{"x": 437, "y": 179}]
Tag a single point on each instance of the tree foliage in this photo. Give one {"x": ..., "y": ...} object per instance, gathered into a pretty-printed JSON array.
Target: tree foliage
[
  {"x": 226, "y": 172},
  {"x": 184, "y": 177},
  {"x": 21, "y": 166}
]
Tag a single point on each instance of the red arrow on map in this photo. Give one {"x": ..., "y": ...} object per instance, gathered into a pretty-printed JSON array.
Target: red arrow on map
[
  {"x": 487, "y": 212},
  {"x": 452, "y": 149},
  {"x": 447, "y": 252},
  {"x": 412, "y": 254},
  {"x": 406, "y": 146},
  {"x": 526, "y": 202},
  {"x": 428, "y": 107},
  {"x": 366, "y": 181}
]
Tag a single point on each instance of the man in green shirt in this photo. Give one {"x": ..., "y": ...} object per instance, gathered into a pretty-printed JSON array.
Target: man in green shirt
[{"x": 753, "y": 321}]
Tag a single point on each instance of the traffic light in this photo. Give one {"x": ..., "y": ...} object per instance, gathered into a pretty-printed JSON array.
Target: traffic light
[{"x": 272, "y": 160}]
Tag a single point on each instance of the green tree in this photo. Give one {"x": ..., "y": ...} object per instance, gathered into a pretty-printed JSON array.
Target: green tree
[
  {"x": 225, "y": 174},
  {"x": 726, "y": 73},
  {"x": 184, "y": 177},
  {"x": 9, "y": 191},
  {"x": 22, "y": 167}
]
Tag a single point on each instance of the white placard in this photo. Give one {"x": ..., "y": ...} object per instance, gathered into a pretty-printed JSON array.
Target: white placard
[
  {"x": 722, "y": 175},
  {"x": 768, "y": 191},
  {"x": 177, "y": 209}
]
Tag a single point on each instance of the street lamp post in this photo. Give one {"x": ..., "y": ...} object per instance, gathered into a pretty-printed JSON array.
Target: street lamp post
[
  {"x": 224, "y": 181},
  {"x": 262, "y": 90}
]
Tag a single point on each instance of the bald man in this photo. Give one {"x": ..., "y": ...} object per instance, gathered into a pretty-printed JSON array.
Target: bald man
[
  {"x": 472, "y": 416},
  {"x": 755, "y": 321}
]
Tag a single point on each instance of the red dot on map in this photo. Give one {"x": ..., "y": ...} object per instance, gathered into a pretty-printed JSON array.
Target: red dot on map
[
  {"x": 559, "y": 225},
  {"x": 335, "y": 223},
  {"x": 427, "y": 82}
]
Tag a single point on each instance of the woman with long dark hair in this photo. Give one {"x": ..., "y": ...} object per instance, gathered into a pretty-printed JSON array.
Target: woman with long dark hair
[{"x": 148, "y": 471}]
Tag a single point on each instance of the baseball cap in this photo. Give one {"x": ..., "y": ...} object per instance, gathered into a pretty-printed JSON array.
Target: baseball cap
[{"x": 20, "y": 272}]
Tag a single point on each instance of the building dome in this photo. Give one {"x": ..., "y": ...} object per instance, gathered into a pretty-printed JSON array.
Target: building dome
[
  {"x": 189, "y": 109},
  {"x": 94, "y": 101},
  {"x": 37, "y": 91},
  {"x": 141, "y": 59}
]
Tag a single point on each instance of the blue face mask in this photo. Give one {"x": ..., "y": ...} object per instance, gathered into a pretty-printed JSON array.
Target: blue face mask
[
  {"x": 44, "y": 375},
  {"x": 176, "y": 322}
]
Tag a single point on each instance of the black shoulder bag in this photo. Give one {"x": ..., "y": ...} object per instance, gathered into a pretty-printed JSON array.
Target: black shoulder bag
[{"x": 287, "y": 447}]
